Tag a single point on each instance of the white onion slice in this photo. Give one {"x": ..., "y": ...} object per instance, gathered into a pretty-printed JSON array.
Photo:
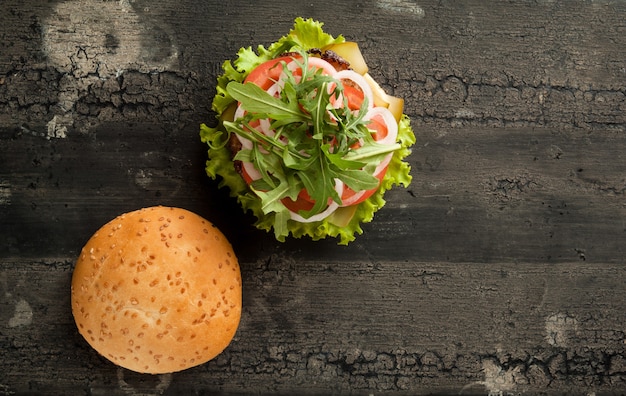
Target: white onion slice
[
  {"x": 251, "y": 170},
  {"x": 320, "y": 63},
  {"x": 360, "y": 81},
  {"x": 245, "y": 143},
  {"x": 350, "y": 201},
  {"x": 240, "y": 112},
  {"x": 383, "y": 164},
  {"x": 314, "y": 63},
  {"x": 388, "y": 119},
  {"x": 332, "y": 206},
  {"x": 264, "y": 126},
  {"x": 277, "y": 87},
  {"x": 392, "y": 133}
]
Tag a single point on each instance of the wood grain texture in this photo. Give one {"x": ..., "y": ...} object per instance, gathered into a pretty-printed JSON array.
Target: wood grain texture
[{"x": 499, "y": 271}]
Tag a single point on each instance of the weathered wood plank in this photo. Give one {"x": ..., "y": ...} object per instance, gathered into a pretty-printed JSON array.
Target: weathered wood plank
[
  {"x": 321, "y": 327},
  {"x": 483, "y": 195},
  {"x": 524, "y": 64}
]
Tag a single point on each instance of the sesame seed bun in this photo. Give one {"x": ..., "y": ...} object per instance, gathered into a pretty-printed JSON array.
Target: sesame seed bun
[{"x": 157, "y": 290}]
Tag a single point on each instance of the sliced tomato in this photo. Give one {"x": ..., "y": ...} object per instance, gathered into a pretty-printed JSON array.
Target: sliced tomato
[
  {"x": 378, "y": 127},
  {"x": 303, "y": 202},
  {"x": 355, "y": 97},
  {"x": 267, "y": 73}
]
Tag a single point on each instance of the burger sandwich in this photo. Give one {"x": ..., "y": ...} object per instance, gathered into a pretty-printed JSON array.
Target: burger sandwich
[{"x": 305, "y": 138}]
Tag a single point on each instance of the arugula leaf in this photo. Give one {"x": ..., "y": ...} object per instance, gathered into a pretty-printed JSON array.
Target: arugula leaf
[
  {"x": 372, "y": 152},
  {"x": 357, "y": 179},
  {"x": 317, "y": 107},
  {"x": 321, "y": 187},
  {"x": 270, "y": 200},
  {"x": 340, "y": 160},
  {"x": 254, "y": 99}
]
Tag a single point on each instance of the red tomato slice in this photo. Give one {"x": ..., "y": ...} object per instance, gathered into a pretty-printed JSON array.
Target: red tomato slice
[
  {"x": 355, "y": 97},
  {"x": 267, "y": 73},
  {"x": 378, "y": 126},
  {"x": 303, "y": 202}
]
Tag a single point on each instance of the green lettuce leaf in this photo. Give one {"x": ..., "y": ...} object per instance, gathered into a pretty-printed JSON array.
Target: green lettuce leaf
[{"x": 345, "y": 223}]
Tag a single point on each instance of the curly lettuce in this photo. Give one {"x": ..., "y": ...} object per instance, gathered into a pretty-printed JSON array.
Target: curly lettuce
[{"x": 346, "y": 222}]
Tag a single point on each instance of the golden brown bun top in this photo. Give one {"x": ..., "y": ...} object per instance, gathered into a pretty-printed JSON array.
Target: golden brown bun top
[{"x": 157, "y": 290}]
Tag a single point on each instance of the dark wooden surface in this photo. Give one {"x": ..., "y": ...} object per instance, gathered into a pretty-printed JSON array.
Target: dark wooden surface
[{"x": 499, "y": 271}]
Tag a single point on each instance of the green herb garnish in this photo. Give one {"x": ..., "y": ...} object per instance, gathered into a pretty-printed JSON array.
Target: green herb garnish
[{"x": 309, "y": 150}]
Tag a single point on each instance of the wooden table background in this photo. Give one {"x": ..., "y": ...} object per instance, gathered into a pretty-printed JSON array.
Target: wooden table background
[{"x": 499, "y": 271}]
